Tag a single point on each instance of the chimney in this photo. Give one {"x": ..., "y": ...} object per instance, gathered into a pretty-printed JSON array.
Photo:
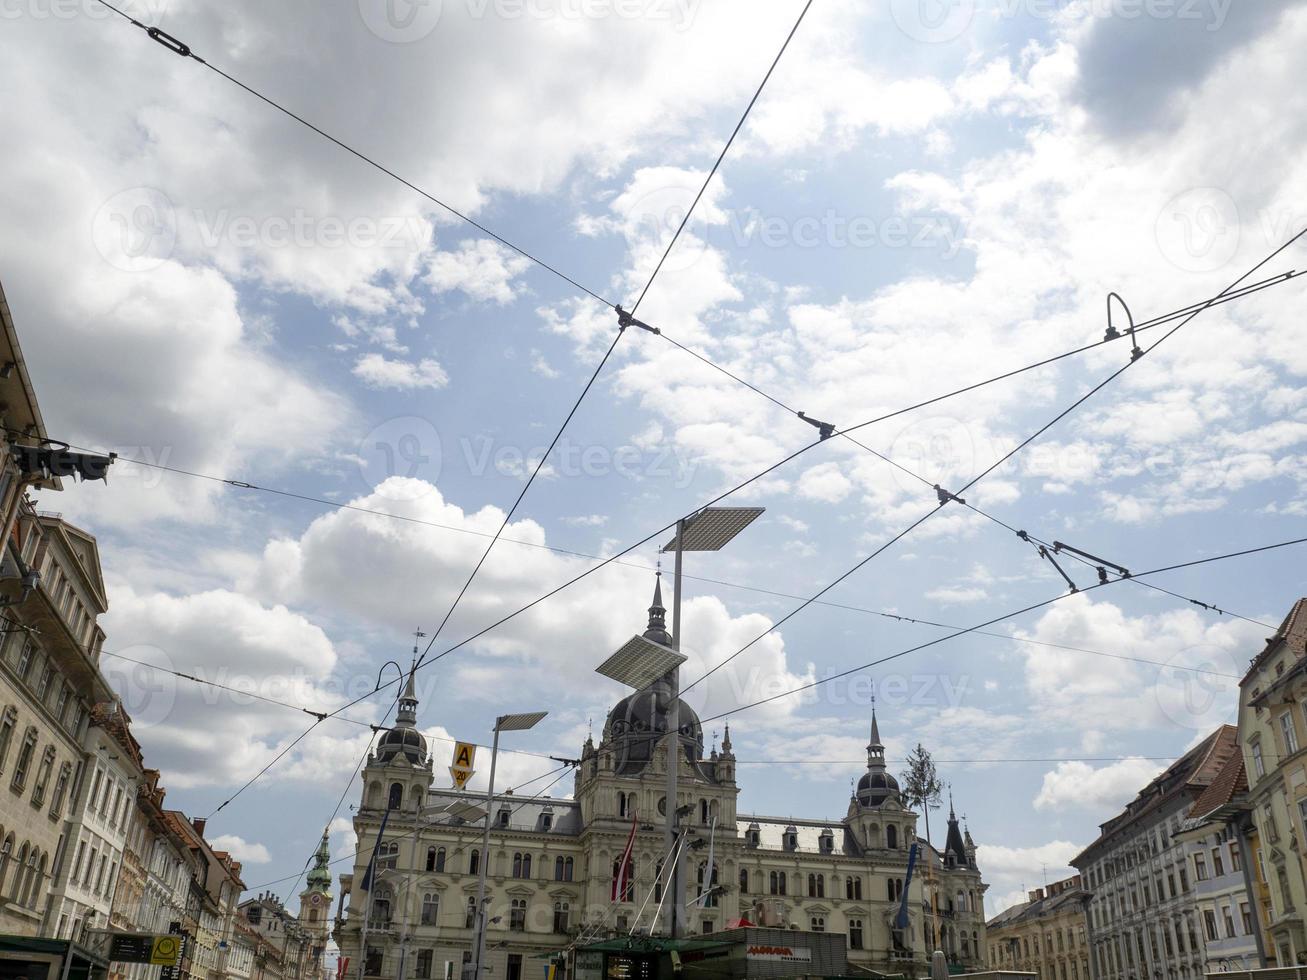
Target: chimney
[{"x": 198, "y": 823}]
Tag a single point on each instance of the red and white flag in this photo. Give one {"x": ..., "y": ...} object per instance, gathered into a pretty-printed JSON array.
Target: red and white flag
[{"x": 622, "y": 879}]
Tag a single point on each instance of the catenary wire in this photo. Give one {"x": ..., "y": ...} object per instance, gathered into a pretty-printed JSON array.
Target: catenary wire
[
  {"x": 956, "y": 495},
  {"x": 185, "y": 51},
  {"x": 999, "y": 619},
  {"x": 388, "y": 515},
  {"x": 525, "y": 487},
  {"x": 722, "y": 156}
]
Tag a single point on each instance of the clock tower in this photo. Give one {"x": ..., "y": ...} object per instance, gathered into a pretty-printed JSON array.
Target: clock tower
[{"x": 315, "y": 906}]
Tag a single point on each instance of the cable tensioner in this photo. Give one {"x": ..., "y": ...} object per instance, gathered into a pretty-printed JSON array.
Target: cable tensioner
[
  {"x": 625, "y": 319},
  {"x": 945, "y": 496},
  {"x": 824, "y": 429},
  {"x": 1115, "y": 334}
]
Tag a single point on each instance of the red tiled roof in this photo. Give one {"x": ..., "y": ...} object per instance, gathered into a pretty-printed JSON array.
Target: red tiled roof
[
  {"x": 1294, "y": 627},
  {"x": 1232, "y": 781}
]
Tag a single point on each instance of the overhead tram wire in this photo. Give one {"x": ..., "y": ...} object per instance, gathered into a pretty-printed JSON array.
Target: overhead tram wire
[
  {"x": 337, "y": 505},
  {"x": 525, "y": 487},
  {"x": 727, "y": 493},
  {"x": 956, "y": 495},
  {"x": 623, "y": 323},
  {"x": 722, "y": 156},
  {"x": 999, "y": 619},
  {"x": 178, "y": 47},
  {"x": 921, "y": 479}
]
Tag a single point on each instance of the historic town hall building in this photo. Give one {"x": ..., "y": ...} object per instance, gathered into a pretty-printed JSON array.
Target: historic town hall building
[{"x": 553, "y": 862}]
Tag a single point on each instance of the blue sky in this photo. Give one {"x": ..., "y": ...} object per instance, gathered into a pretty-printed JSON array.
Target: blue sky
[{"x": 926, "y": 195}]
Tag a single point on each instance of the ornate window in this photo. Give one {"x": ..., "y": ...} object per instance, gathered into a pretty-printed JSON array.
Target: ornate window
[
  {"x": 818, "y": 923},
  {"x": 562, "y": 917},
  {"x": 855, "y": 934},
  {"x": 7, "y": 724},
  {"x": 396, "y": 799},
  {"x": 517, "y": 915},
  {"x": 892, "y": 837},
  {"x": 24, "y": 761},
  {"x": 430, "y": 908},
  {"x": 474, "y": 861},
  {"x": 708, "y": 890},
  {"x": 744, "y": 881},
  {"x": 43, "y": 775}
]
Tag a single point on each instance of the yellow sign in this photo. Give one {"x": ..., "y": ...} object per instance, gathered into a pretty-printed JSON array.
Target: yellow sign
[
  {"x": 166, "y": 951},
  {"x": 461, "y": 771}
]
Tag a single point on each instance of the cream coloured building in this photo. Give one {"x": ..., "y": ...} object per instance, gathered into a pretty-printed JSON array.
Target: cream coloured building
[
  {"x": 1046, "y": 935},
  {"x": 1273, "y": 738},
  {"x": 553, "y": 862}
]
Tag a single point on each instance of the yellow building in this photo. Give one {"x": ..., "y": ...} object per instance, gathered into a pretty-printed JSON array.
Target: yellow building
[
  {"x": 1273, "y": 736},
  {"x": 1045, "y": 935}
]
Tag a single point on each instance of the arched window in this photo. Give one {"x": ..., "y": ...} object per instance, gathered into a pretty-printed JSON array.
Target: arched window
[
  {"x": 744, "y": 881},
  {"x": 430, "y": 908},
  {"x": 15, "y": 892},
  {"x": 517, "y": 864},
  {"x": 517, "y": 915},
  {"x": 474, "y": 862},
  {"x": 567, "y": 869},
  {"x": 658, "y": 883},
  {"x": 558, "y": 868},
  {"x": 431, "y": 859},
  {"x": 6, "y": 852},
  {"x": 621, "y": 804},
  {"x": 562, "y": 917},
  {"x": 857, "y": 888},
  {"x": 396, "y": 799},
  {"x": 816, "y": 886},
  {"x": 526, "y": 865},
  {"x": 440, "y": 859},
  {"x": 703, "y": 812},
  {"x": 892, "y": 837}
]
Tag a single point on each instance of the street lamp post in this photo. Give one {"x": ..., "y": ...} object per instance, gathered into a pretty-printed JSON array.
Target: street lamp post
[
  {"x": 641, "y": 662},
  {"x": 504, "y": 723}
]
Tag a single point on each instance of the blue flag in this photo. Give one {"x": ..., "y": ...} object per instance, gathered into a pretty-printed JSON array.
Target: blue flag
[
  {"x": 372, "y": 862},
  {"x": 901, "y": 920}
]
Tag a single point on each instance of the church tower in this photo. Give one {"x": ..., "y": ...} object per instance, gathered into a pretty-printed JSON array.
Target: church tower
[{"x": 315, "y": 903}]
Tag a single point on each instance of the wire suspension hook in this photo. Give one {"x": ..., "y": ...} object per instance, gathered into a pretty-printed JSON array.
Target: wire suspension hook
[{"x": 1114, "y": 334}]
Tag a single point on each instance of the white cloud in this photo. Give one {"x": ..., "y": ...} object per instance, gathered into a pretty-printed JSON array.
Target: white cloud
[
  {"x": 1104, "y": 790},
  {"x": 246, "y": 852},
  {"x": 378, "y": 371},
  {"x": 483, "y": 269}
]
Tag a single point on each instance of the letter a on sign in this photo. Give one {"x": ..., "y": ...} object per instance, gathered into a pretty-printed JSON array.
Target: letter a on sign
[{"x": 461, "y": 771}]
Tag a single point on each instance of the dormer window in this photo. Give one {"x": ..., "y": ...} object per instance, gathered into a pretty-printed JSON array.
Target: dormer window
[
  {"x": 753, "y": 836},
  {"x": 503, "y": 816},
  {"x": 826, "y": 842},
  {"x": 791, "y": 839},
  {"x": 546, "y": 821}
]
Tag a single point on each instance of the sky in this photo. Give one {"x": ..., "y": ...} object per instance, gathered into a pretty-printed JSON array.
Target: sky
[{"x": 928, "y": 193}]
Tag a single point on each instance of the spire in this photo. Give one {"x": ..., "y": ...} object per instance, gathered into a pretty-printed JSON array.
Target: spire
[
  {"x": 319, "y": 877},
  {"x": 955, "y": 846},
  {"x": 657, "y": 628},
  {"x": 875, "y": 748},
  {"x": 407, "y": 716},
  {"x": 726, "y": 740}
]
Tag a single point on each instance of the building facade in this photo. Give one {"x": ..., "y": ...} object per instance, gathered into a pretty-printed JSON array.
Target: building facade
[
  {"x": 1143, "y": 914},
  {"x": 49, "y": 681},
  {"x": 553, "y": 864},
  {"x": 1221, "y": 843},
  {"x": 1272, "y": 737},
  {"x": 96, "y": 833},
  {"x": 1046, "y": 936}
]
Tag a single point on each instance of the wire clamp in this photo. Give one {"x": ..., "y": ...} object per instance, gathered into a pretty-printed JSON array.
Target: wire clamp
[
  {"x": 825, "y": 429},
  {"x": 945, "y": 496},
  {"x": 625, "y": 320},
  {"x": 169, "y": 42},
  {"x": 1121, "y": 570}
]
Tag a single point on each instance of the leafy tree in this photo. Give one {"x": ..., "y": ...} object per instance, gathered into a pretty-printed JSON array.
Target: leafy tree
[{"x": 920, "y": 784}]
